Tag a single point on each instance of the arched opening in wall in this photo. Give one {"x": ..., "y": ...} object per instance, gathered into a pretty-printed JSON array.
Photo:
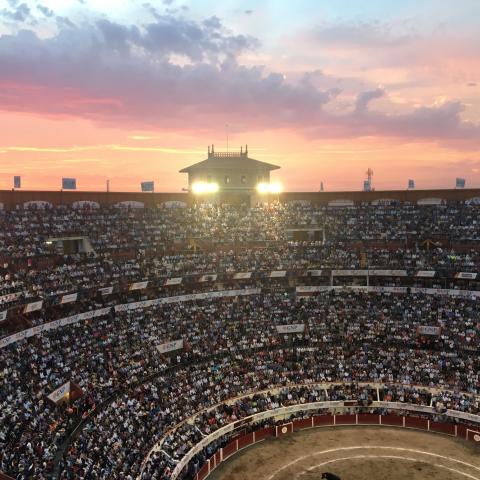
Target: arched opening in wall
[
  {"x": 130, "y": 204},
  {"x": 384, "y": 202},
  {"x": 305, "y": 203},
  {"x": 173, "y": 204},
  {"x": 341, "y": 202},
  {"x": 85, "y": 204},
  {"x": 431, "y": 201},
  {"x": 41, "y": 204}
]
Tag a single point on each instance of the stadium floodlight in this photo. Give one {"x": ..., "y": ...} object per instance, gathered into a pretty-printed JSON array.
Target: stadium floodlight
[
  {"x": 264, "y": 188},
  {"x": 201, "y": 188},
  {"x": 276, "y": 187}
]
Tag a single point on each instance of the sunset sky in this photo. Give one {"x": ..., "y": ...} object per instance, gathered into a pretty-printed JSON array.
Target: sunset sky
[{"x": 323, "y": 88}]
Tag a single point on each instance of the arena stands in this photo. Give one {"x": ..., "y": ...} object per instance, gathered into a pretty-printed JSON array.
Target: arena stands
[{"x": 116, "y": 362}]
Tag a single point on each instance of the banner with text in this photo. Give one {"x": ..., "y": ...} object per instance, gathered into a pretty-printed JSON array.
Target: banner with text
[
  {"x": 170, "y": 346},
  {"x": 429, "y": 330},
  {"x": 33, "y": 307},
  {"x": 106, "y": 290},
  {"x": 60, "y": 392},
  {"x": 138, "y": 286},
  {"x": 71, "y": 297},
  {"x": 242, "y": 275},
  {"x": 293, "y": 328}
]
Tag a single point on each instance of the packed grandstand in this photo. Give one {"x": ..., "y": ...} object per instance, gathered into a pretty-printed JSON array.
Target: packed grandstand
[{"x": 179, "y": 322}]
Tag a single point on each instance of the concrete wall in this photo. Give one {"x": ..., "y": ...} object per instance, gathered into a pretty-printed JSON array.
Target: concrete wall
[{"x": 10, "y": 199}]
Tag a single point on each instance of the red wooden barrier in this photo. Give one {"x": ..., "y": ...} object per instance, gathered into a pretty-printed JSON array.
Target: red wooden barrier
[
  {"x": 474, "y": 436},
  {"x": 301, "y": 424},
  {"x": 394, "y": 420},
  {"x": 203, "y": 472},
  {"x": 230, "y": 449},
  {"x": 345, "y": 419},
  {"x": 322, "y": 420},
  {"x": 284, "y": 429},
  {"x": 416, "y": 422},
  {"x": 264, "y": 433},
  {"x": 245, "y": 440},
  {"x": 446, "y": 428},
  {"x": 462, "y": 431},
  {"x": 368, "y": 419}
]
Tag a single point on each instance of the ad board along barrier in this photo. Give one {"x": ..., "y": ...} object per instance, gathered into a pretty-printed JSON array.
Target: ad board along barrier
[
  {"x": 300, "y": 290},
  {"x": 45, "y": 327}
]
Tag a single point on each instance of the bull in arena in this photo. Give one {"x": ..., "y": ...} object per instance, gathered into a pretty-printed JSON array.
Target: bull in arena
[{"x": 330, "y": 476}]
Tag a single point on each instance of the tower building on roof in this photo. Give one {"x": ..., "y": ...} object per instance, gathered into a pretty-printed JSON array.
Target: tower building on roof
[{"x": 233, "y": 172}]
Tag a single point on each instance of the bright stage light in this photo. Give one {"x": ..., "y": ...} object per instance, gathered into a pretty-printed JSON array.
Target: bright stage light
[
  {"x": 200, "y": 188},
  {"x": 264, "y": 187}
]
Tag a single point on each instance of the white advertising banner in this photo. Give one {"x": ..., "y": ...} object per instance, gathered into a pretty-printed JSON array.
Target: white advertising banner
[
  {"x": 466, "y": 275},
  {"x": 173, "y": 281},
  {"x": 170, "y": 346},
  {"x": 208, "y": 278},
  {"x": 45, "y": 327},
  {"x": 3, "y": 315},
  {"x": 106, "y": 290},
  {"x": 138, "y": 286},
  {"x": 10, "y": 297},
  {"x": 311, "y": 289},
  {"x": 71, "y": 297},
  {"x": 314, "y": 273},
  {"x": 429, "y": 330},
  {"x": 242, "y": 275},
  {"x": 293, "y": 328},
  {"x": 425, "y": 273},
  {"x": 349, "y": 273},
  {"x": 387, "y": 273},
  {"x": 34, "y": 306},
  {"x": 278, "y": 274},
  {"x": 60, "y": 392}
]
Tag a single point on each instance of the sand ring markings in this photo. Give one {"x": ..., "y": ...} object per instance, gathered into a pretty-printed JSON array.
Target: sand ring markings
[{"x": 398, "y": 449}]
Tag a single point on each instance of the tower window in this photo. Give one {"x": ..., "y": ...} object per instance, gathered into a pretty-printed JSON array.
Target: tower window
[
  {"x": 243, "y": 179},
  {"x": 227, "y": 179}
]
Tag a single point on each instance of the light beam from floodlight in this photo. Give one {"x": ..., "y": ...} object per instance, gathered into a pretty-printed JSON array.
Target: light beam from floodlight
[
  {"x": 275, "y": 187},
  {"x": 201, "y": 188},
  {"x": 264, "y": 188}
]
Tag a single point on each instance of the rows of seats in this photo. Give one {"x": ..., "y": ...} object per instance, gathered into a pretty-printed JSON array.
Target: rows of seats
[
  {"x": 134, "y": 395},
  {"x": 230, "y": 347},
  {"x": 24, "y": 232}
]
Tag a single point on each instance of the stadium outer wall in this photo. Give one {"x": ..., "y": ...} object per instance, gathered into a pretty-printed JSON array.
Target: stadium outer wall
[{"x": 10, "y": 199}]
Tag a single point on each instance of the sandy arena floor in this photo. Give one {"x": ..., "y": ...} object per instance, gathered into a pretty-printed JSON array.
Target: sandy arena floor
[{"x": 355, "y": 453}]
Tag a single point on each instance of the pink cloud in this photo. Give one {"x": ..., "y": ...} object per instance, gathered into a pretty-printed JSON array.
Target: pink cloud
[{"x": 124, "y": 75}]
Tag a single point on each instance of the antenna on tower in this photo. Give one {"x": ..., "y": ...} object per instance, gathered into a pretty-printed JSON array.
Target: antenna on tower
[{"x": 367, "y": 184}]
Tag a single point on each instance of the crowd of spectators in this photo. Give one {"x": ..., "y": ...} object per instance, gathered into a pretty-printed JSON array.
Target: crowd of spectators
[
  {"x": 135, "y": 396},
  {"x": 230, "y": 347}
]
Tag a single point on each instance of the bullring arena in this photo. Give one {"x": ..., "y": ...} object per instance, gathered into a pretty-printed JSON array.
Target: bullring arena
[{"x": 354, "y": 453}]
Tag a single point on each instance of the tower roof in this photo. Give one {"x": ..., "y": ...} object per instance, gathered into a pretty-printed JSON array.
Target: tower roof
[{"x": 229, "y": 160}]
